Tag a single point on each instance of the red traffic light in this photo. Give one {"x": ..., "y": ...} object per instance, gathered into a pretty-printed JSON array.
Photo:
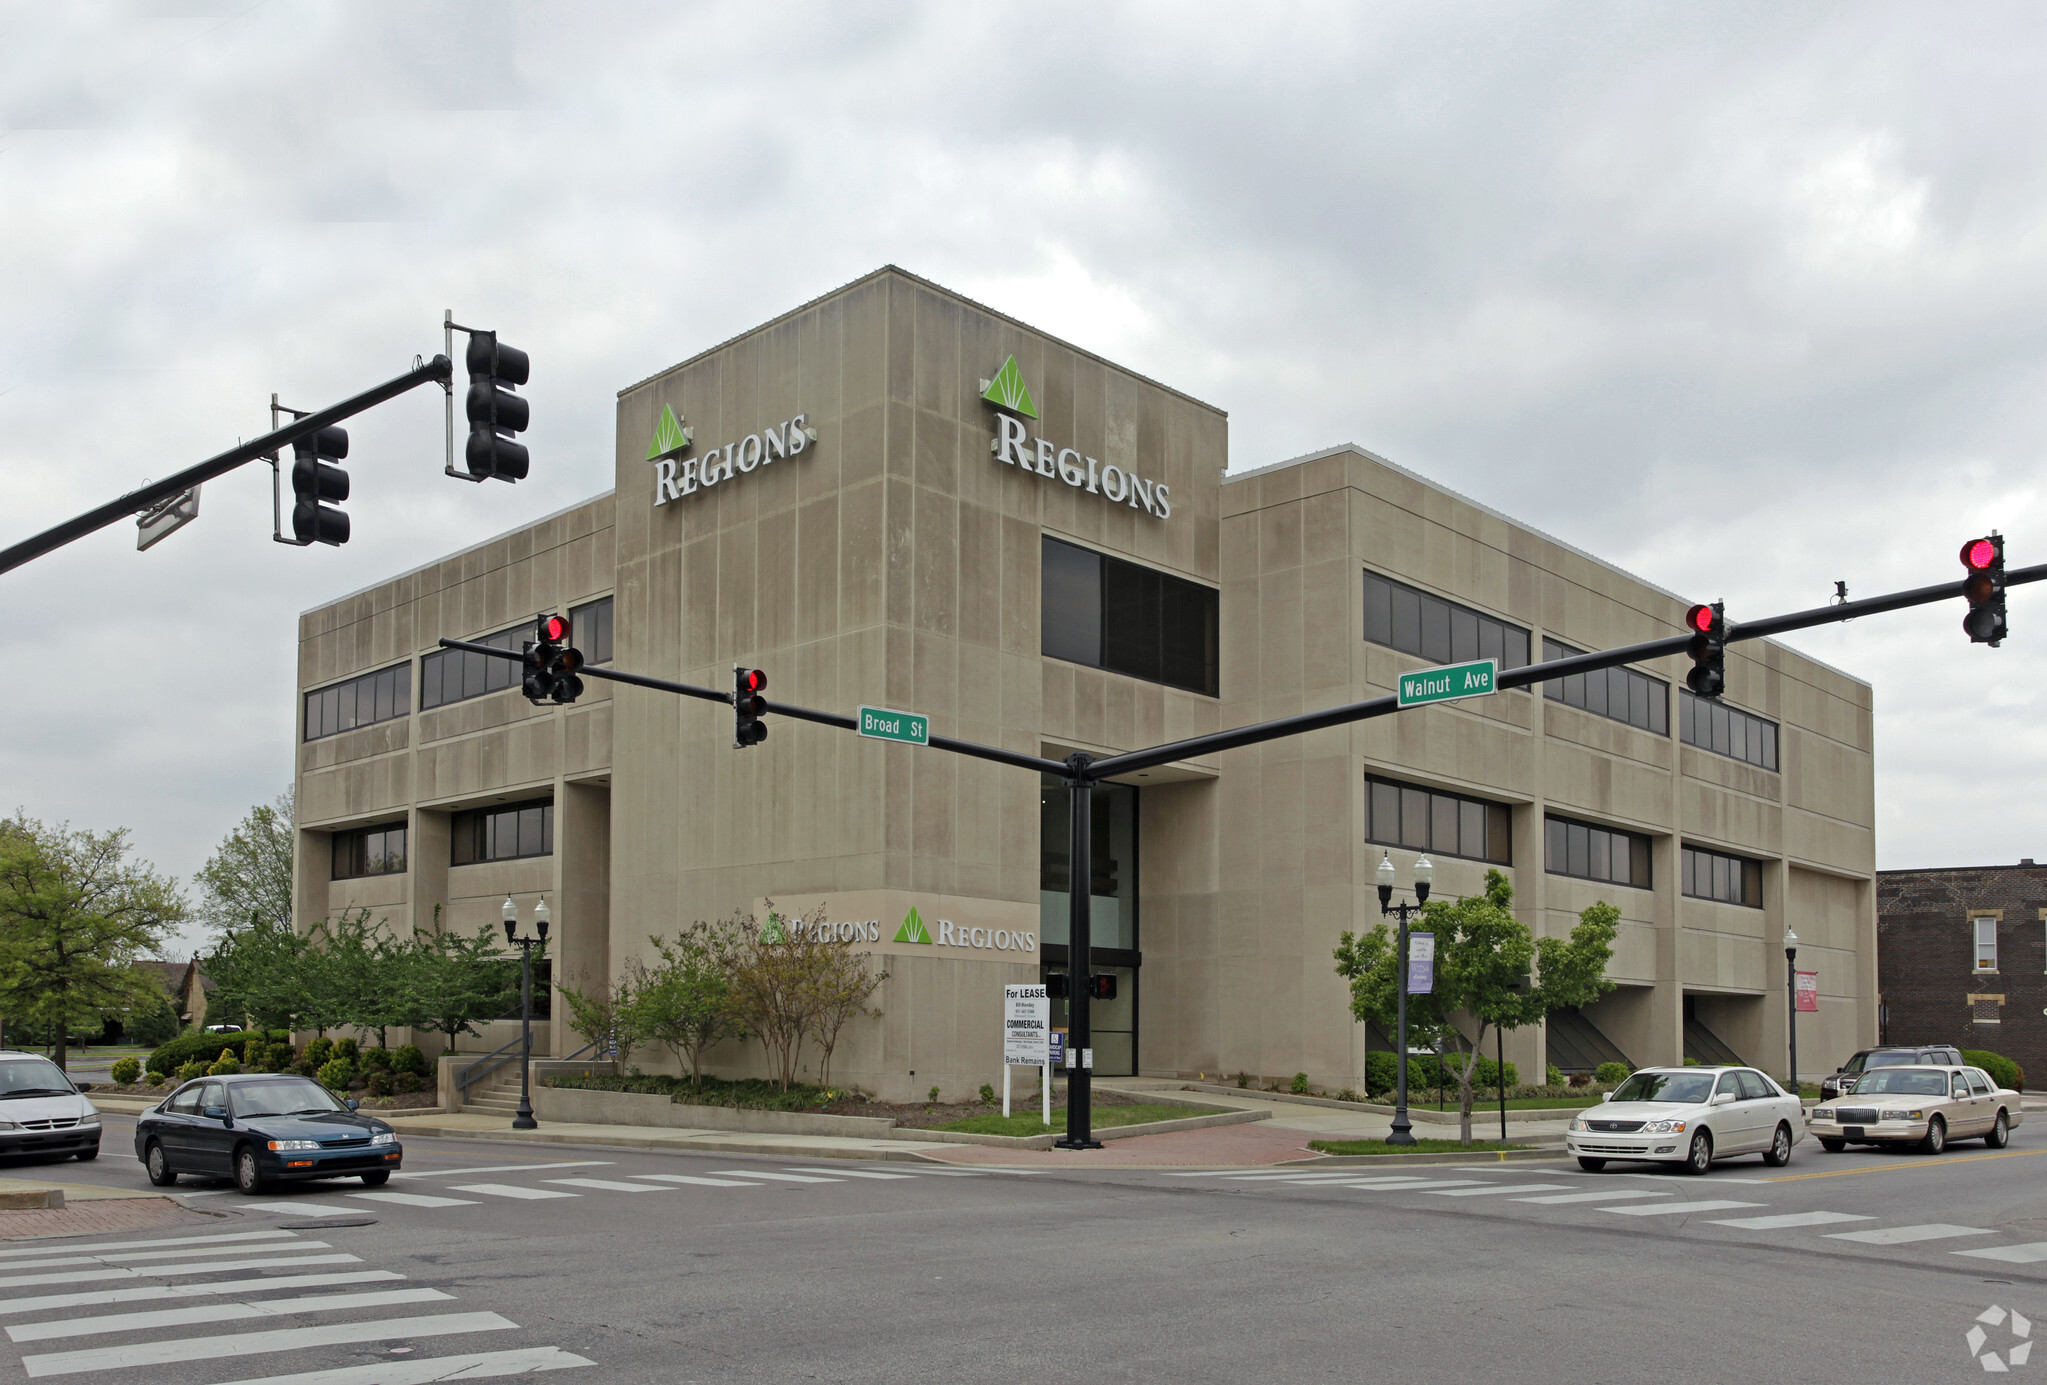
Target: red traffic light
[
  {"x": 554, "y": 629},
  {"x": 1978, "y": 554},
  {"x": 1700, "y": 618},
  {"x": 752, "y": 680}
]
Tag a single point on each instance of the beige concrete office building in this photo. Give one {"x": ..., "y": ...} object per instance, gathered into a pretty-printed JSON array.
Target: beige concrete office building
[{"x": 892, "y": 496}]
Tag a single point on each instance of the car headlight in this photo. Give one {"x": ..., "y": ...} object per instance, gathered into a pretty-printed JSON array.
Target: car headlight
[
  {"x": 1820, "y": 1115},
  {"x": 91, "y": 1118},
  {"x": 291, "y": 1146},
  {"x": 1901, "y": 1115},
  {"x": 1578, "y": 1123},
  {"x": 9, "y": 1125},
  {"x": 383, "y": 1137},
  {"x": 1663, "y": 1127}
]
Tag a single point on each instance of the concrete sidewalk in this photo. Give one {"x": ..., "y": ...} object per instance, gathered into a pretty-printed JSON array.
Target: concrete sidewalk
[
  {"x": 478, "y": 1126},
  {"x": 1333, "y": 1123}
]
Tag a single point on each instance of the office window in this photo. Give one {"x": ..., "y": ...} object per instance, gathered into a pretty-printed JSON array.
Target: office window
[
  {"x": 1985, "y": 930},
  {"x": 1620, "y": 693},
  {"x": 1595, "y": 853},
  {"x": 1109, "y": 614},
  {"x": 1413, "y": 622},
  {"x": 364, "y": 701},
  {"x": 1715, "y": 875},
  {"x": 591, "y": 628},
  {"x": 503, "y": 834},
  {"x": 370, "y": 851},
  {"x": 455, "y": 675},
  {"x": 1712, "y": 725},
  {"x": 1441, "y": 824}
]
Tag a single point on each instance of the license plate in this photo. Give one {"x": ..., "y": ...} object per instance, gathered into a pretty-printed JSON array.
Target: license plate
[{"x": 1852, "y": 1132}]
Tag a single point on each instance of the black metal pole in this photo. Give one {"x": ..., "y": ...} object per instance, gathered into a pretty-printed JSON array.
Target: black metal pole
[
  {"x": 1500, "y": 1042},
  {"x": 523, "y": 1119},
  {"x": 1791, "y": 995},
  {"x": 1403, "y": 1130},
  {"x": 1080, "y": 1039}
]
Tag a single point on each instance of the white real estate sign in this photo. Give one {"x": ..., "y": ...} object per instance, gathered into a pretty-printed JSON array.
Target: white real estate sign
[{"x": 1027, "y": 1038}]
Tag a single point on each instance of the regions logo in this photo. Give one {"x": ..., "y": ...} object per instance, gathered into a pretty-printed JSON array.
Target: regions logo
[
  {"x": 913, "y": 929},
  {"x": 670, "y": 437},
  {"x": 1008, "y": 391}
]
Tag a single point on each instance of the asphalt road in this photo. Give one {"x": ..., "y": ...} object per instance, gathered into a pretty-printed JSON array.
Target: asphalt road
[{"x": 666, "y": 1267}]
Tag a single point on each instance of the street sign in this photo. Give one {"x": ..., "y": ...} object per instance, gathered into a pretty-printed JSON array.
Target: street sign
[
  {"x": 1026, "y": 1027},
  {"x": 908, "y": 727},
  {"x": 159, "y": 522},
  {"x": 1059, "y": 1048},
  {"x": 1808, "y": 992},
  {"x": 1421, "y": 963},
  {"x": 1448, "y": 683}
]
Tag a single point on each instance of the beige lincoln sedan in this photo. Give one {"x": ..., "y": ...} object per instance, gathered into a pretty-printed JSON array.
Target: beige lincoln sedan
[{"x": 1923, "y": 1106}]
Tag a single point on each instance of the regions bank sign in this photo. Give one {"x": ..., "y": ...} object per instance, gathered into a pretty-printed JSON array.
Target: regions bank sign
[
  {"x": 1015, "y": 445},
  {"x": 676, "y": 475}
]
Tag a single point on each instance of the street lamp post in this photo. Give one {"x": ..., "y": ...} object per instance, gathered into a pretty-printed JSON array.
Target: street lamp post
[
  {"x": 1424, "y": 873},
  {"x": 523, "y": 1118},
  {"x": 1791, "y": 997}
]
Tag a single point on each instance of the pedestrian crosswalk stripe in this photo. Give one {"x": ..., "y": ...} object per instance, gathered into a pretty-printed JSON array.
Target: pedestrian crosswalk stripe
[
  {"x": 778, "y": 1177},
  {"x": 1441, "y": 1183},
  {"x": 508, "y": 1168},
  {"x": 103, "y": 1247},
  {"x": 257, "y": 1343},
  {"x": 210, "y": 1267},
  {"x": 1497, "y": 1190},
  {"x": 1906, "y": 1235},
  {"x": 416, "y": 1199},
  {"x": 145, "y": 1293},
  {"x": 1666, "y": 1209},
  {"x": 218, "y": 1312},
  {"x": 969, "y": 1173},
  {"x": 845, "y": 1173},
  {"x": 1790, "y": 1219},
  {"x": 478, "y": 1365},
  {"x": 607, "y": 1185},
  {"x": 1395, "y": 1183},
  {"x": 122, "y": 1257},
  {"x": 301, "y": 1207},
  {"x": 510, "y": 1190},
  {"x": 692, "y": 1179},
  {"x": 1605, "y": 1195},
  {"x": 2028, "y": 1254}
]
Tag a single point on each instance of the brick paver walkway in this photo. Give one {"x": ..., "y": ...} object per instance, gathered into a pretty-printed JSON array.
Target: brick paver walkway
[
  {"x": 1257, "y": 1143},
  {"x": 98, "y": 1216}
]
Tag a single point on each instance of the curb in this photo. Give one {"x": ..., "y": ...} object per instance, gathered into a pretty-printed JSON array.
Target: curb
[
  {"x": 50, "y": 1198},
  {"x": 685, "y": 1145},
  {"x": 1477, "y": 1156}
]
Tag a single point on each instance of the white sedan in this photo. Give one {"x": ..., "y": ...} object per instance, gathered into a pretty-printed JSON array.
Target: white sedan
[{"x": 1689, "y": 1116}]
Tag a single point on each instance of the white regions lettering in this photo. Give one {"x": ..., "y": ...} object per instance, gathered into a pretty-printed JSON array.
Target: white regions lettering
[
  {"x": 863, "y": 931},
  {"x": 1014, "y": 446},
  {"x": 952, "y": 934},
  {"x": 675, "y": 477}
]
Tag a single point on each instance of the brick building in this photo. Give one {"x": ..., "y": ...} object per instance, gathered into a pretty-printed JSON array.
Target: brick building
[{"x": 1962, "y": 959}]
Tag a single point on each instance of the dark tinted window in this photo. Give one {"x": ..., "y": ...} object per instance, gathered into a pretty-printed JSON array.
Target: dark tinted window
[
  {"x": 370, "y": 851},
  {"x": 1595, "y": 853},
  {"x": 1716, "y": 875},
  {"x": 452, "y": 675},
  {"x": 363, "y": 701},
  {"x": 590, "y": 628},
  {"x": 1116, "y": 615},
  {"x": 1442, "y": 824},
  {"x": 1620, "y": 693},
  {"x": 1726, "y": 730},
  {"x": 503, "y": 834},
  {"x": 1414, "y": 622}
]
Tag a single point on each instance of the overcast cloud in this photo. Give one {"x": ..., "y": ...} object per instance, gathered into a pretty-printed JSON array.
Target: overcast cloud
[{"x": 1744, "y": 298}]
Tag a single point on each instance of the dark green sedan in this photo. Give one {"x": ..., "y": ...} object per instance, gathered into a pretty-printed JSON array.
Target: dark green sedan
[{"x": 260, "y": 1129}]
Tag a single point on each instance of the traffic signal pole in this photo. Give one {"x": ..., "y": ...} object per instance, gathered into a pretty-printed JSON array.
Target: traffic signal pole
[
  {"x": 437, "y": 370},
  {"x": 1081, "y": 772}
]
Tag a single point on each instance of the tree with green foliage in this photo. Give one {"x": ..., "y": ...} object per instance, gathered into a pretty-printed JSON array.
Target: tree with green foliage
[
  {"x": 684, "y": 1002},
  {"x": 266, "y": 972},
  {"x": 452, "y": 983},
  {"x": 1489, "y": 967},
  {"x": 249, "y": 875},
  {"x": 75, "y": 915},
  {"x": 367, "y": 978},
  {"x": 599, "y": 1014}
]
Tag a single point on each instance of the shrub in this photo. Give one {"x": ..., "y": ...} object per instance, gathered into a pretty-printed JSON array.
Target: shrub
[
  {"x": 987, "y": 1095},
  {"x": 335, "y": 1074},
  {"x": 1613, "y": 1072},
  {"x": 1484, "y": 1073},
  {"x": 2003, "y": 1071},
  {"x": 224, "y": 1066},
  {"x": 1299, "y": 1086},
  {"x": 1382, "y": 1072},
  {"x": 1553, "y": 1075},
  {"x": 934, "y": 1093},
  {"x": 349, "y": 1050},
  {"x": 376, "y": 1060},
  {"x": 380, "y": 1081},
  {"x": 410, "y": 1059},
  {"x": 408, "y": 1082},
  {"x": 190, "y": 1070},
  {"x": 127, "y": 1070},
  {"x": 317, "y": 1052},
  {"x": 1243, "y": 1079},
  {"x": 187, "y": 1047}
]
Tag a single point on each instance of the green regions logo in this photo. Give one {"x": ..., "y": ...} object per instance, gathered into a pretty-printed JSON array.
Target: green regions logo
[
  {"x": 913, "y": 929},
  {"x": 1008, "y": 391},
  {"x": 670, "y": 437}
]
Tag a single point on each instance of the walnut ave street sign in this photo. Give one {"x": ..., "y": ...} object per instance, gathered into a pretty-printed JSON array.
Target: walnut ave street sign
[{"x": 1448, "y": 683}]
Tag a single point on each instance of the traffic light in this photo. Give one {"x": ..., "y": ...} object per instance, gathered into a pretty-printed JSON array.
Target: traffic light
[
  {"x": 551, "y": 663},
  {"x": 316, "y": 479},
  {"x": 747, "y": 707},
  {"x": 494, "y": 411},
  {"x": 1057, "y": 985},
  {"x": 1984, "y": 588},
  {"x": 1102, "y": 985},
  {"x": 1708, "y": 649}
]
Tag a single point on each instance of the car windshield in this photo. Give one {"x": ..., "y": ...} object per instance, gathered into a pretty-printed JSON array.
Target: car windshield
[
  {"x": 1903, "y": 1082},
  {"x": 1690, "y": 1088},
  {"x": 32, "y": 1077},
  {"x": 1883, "y": 1058},
  {"x": 292, "y": 1096}
]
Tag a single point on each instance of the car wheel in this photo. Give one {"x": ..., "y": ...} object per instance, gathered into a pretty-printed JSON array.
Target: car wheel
[
  {"x": 2000, "y": 1132},
  {"x": 1591, "y": 1165},
  {"x": 1832, "y": 1145},
  {"x": 1699, "y": 1157},
  {"x": 1936, "y": 1137},
  {"x": 248, "y": 1173},
  {"x": 1779, "y": 1152},
  {"x": 376, "y": 1178},
  {"x": 86, "y": 1156},
  {"x": 159, "y": 1165}
]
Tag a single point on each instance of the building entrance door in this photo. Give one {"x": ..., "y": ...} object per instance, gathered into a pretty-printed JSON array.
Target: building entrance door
[{"x": 1113, "y": 921}]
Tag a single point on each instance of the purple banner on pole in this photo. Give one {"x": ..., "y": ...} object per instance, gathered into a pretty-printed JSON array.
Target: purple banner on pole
[{"x": 1421, "y": 963}]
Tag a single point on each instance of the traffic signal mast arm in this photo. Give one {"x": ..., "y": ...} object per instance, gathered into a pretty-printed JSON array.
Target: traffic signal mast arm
[{"x": 135, "y": 502}]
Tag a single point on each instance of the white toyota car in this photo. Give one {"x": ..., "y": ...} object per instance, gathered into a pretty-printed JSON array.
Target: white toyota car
[{"x": 1689, "y": 1116}]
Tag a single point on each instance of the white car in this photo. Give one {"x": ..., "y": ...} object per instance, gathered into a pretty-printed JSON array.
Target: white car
[
  {"x": 41, "y": 1114},
  {"x": 1689, "y": 1116}
]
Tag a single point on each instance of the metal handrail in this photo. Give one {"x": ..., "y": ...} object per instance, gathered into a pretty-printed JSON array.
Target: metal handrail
[
  {"x": 580, "y": 1052},
  {"x": 483, "y": 1067}
]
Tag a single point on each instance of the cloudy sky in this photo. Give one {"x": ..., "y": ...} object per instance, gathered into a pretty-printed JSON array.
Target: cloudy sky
[{"x": 1746, "y": 298}]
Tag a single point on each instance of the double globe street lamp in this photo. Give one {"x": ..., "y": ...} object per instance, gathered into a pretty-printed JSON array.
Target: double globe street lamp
[
  {"x": 1791, "y": 996},
  {"x": 523, "y": 1118},
  {"x": 1424, "y": 874}
]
